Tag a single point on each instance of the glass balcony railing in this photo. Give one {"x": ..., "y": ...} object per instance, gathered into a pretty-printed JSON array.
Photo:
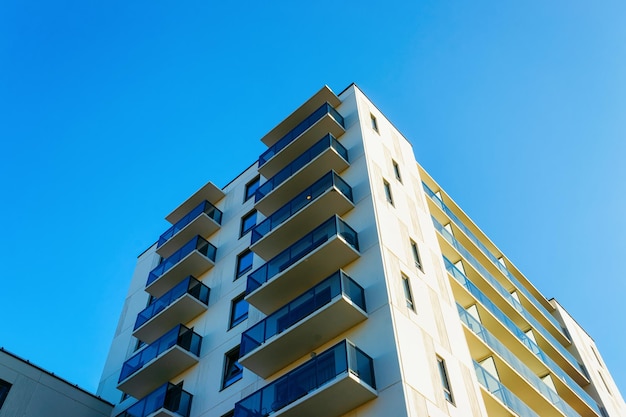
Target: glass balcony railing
[
  {"x": 204, "y": 207},
  {"x": 300, "y": 129},
  {"x": 327, "y": 142},
  {"x": 178, "y": 336},
  {"x": 492, "y": 257},
  {"x": 491, "y": 341},
  {"x": 197, "y": 243},
  {"x": 509, "y": 324},
  {"x": 341, "y": 359},
  {"x": 319, "y": 187},
  {"x": 168, "y": 397},
  {"x": 501, "y": 392},
  {"x": 314, "y": 299},
  {"x": 189, "y": 285},
  {"x": 320, "y": 235},
  {"x": 504, "y": 293}
]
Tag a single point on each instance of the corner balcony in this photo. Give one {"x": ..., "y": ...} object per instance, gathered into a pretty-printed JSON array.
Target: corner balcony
[
  {"x": 323, "y": 312},
  {"x": 322, "y": 121},
  {"x": 168, "y": 400},
  {"x": 195, "y": 258},
  {"x": 162, "y": 360},
  {"x": 181, "y": 304},
  {"x": 327, "y": 154},
  {"x": 329, "y": 247},
  {"x": 204, "y": 220},
  {"x": 209, "y": 192},
  {"x": 331, "y": 384},
  {"x": 327, "y": 196}
]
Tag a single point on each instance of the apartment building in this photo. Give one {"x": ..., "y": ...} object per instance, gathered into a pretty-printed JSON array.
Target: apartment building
[{"x": 334, "y": 277}]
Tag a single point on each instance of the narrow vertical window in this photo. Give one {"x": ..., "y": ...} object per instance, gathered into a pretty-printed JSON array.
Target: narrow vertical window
[
  {"x": 247, "y": 222},
  {"x": 416, "y": 255},
  {"x": 232, "y": 370},
  {"x": 238, "y": 311},
  {"x": 445, "y": 383},
  {"x": 244, "y": 262},
  {"x": 407, "y": 292},
  {"x": 396, "y": 170},
  {"x": 388, "y": 192},
  {"x": 251, "y": 188},
  {"x": 374, "y": 123},
  {"x": 4, "y": 391}
]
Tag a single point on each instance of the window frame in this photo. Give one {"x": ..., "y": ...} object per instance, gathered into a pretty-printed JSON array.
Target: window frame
[
  {"x": 388, "y": 193},
  {"x": 396, "y": 171},
  {"x": 374, "y": 123},
  {"x": 244, "y": 219},
  {"x": 231, "y": 361},
  {"x": 416, "y": 256},
  {"x": 445, "y": 380},
  {"x": 235, "y": 320},
  {"x": 251, "y": 185},
  {"x": 238, "y": 272},
  {"x": 5, "y": 387},
  {"x": 408, "y": 293}
]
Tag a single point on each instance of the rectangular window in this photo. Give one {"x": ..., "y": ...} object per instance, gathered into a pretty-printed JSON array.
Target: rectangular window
[
  {"x": 232, "y": 370},
  {"x": 416, "y": 255},
  {"x": 374, "y": 123},
  {"x": 247, "y": 222},
  {"x": 238, "y": 311},
  {"x": 445, "y": 383},
  {"x": 396, "y": 170},
  {"x": 251, "y": 188},
  {"x": 388, "y": 192},
  {"x": 4, "y": 391},
  {"x": 244, "y": 262},
  {"x": 407, "y": 292}
]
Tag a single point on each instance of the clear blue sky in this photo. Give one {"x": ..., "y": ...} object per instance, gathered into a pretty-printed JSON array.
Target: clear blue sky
[{"x": 111, "y": 113}]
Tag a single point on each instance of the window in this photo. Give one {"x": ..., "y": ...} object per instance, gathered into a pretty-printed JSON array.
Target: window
[
  {"x": 407, "y": 292},
  {"x": 251, "y": 188},
  {"x": 231, "y": 413},
  {"x": 4, "y": 391},
  {"x": 416, "y": 255},
  {"x": 244, "y": 262},
  {"x": 232, "y": 370},
  {"x": 396, "y": 170},
  {"x": 445, "y": 383},
  {"x": 238, "y": 311},
  {"x": 374, "y": 123},
  {"x": 247, "y": 222},
  {"x": 388, "y": 192}
]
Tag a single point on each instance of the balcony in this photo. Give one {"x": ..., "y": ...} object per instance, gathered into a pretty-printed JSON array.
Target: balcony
[
  {"x": 507, "y": 400},
  {"x": 209, "y": 192},
  {"x": 166, "y": 401},
  {"x": 331, "y": 384},
  {"x": 328, "y": 195},
  {"x": 327, "y": 154},
  {"x": 181, "y": 304},
  {"x": 162, "y": 360},
  {"x": 195, "y": 258},
  {"x": 204, "y": 220},
  {"x": 329, "y": 247},
  {"x": 323, "y": 312},
  {"x": 322, "y": 121}
]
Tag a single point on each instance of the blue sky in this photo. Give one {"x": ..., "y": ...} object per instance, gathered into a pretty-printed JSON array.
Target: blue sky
[{"x": 111, "y": 113}]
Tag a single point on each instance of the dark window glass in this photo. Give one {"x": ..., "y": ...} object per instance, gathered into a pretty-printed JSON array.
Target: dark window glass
[
  {"x": 231, "y": 413},
  {"x": 445, "y": 383},
  {"x": 4, "y": 391},
  {"x": 238, "y": 311},
  {"x": 407, "y": 292},
  {"x": 396, "y": 170},
  {"x": 251, "y": 188},
  {"x": 374, "y": 123},
  {"x": 247, "y": 222},
  {"x": 416, "y": 255},
  {"x": 232, "y": 370},
  {"x": 388, "y": 192},
  {"x": 244, "y": 263}
]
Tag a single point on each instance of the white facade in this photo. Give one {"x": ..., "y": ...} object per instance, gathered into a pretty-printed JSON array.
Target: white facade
[
  {"x": 409, "y": 326},
  {"x": 29, "y": 391}
]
